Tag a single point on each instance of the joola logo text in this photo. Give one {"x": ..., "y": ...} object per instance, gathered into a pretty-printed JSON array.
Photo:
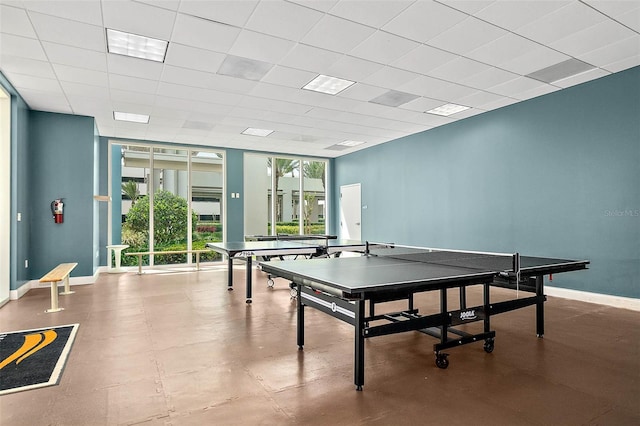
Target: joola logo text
[{"x": 468, "y": 315}]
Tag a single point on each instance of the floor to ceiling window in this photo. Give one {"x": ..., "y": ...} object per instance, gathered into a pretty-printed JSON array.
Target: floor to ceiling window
[
  {"x": 170, "y": 200},
  {"x": 284, "y": 195}
]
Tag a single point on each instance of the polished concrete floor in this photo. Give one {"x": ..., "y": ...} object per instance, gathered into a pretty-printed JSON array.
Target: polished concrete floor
[{"x": 179, "y": 349}]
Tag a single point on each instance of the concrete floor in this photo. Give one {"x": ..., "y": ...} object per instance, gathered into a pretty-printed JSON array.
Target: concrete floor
[{"x": 179, "y": 349}]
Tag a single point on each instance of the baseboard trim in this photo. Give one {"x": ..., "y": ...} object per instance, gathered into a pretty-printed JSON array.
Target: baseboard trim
[
  {"x": 600, "y": 299},
  {"x": 73, "y": 281}
]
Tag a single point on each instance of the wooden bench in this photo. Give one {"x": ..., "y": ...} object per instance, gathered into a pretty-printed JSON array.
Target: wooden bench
[
  {"x": 155, "y": 253},
  {"x": 54, "y": 276}
]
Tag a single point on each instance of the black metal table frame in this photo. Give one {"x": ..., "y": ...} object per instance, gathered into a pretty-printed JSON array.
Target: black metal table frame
[{"x": 439, "y": 324}]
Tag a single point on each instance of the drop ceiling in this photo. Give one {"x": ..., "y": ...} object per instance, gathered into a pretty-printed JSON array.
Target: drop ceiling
[{"x": 406, "y": 57}]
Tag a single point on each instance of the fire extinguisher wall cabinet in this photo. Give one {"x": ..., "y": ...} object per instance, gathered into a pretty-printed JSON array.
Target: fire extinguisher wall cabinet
[{"x": 57, "y": 210}]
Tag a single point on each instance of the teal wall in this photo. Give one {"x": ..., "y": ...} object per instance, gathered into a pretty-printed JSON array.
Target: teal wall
[
  {"x": 556, "y": 176},
  {"x": 234, "y": 162},
  {"x": 61, "y": 164}
]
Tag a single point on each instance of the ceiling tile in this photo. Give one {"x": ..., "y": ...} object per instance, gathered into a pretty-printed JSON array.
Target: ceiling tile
[
  {"x": 15, "y": 21},
  {"x": 503, "y": 49},
  {"x": 488, "y": 78},
  {"x": 390, "y": 77},
  {"x": 466, "y": 36},
  {"x": 561, "y": 23},
  {"x": 138, "y": 18},
  {"x": 310, "y": 58},
  {"x": 512, "y": 15},
  {"x": 581, "y": 78},
  {"x": 88, "y": 12},
  {"x": 375, "y": 14},
  {"x": 533, "y": 60},
  {"x": 75, "y": 56},
  {"x": 459, "y": 69},
  {"x": 67, "y": 32},
  {"x": 362, "y": 92},
  {"x": 423, "y": 59},
  {"x": 424, "y": 20},
  {"x": 478, "y": 99},
  {"x": 383, "y": 47},
  {"x": 283, "y": 19},
  {"x": 134, "y": 67},
  {"x": 468, "y": 6},
  {"x": 613, "y": 52},
  {"x": 320, "y": 5},
  {"x": 353, "y": 69},
  {"x": 231, "y": 12},
  {"x": 197, "y": 32},
  {"x": 81, "y": 75},
  {"x": 337, "y": 34},
  {"x": 143, "y": 101},
  {"x": 43, "y": 101},
  {"x": 26, "y": 66},
  {"x": 123, "y": 82},
  {"x": 289, "y": 77},
  {"x": 592, "y": 38},
  {"x": 514, "y": 88},
  {"x": 250, "y": 44},
  {"x": 193, "y": 58},
  {"x": 21, "y": 81},
  {"x": 21, "y": 46},
  {"x": 85, "y": 90},
  {"x": 422, "y": 104}
]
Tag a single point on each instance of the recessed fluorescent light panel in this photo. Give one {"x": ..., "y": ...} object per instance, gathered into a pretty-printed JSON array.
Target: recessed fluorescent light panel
[
  {"x": 448, "y": 109},
  {"x": 136, "y": 46},
  {"x": 134, "y": 118},
  {"x": 248, "y": 69},
  {"x": 327, "y": 84},
  {"x": 350, "y": 143},
  {"x": 564, "y": 69},
  {"x": 393, "y": 98},
  {"x": 257, "y": 132}
]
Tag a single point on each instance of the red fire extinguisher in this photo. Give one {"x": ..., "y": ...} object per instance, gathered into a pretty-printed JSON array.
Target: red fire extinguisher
[{"x": 56, "y": 210}]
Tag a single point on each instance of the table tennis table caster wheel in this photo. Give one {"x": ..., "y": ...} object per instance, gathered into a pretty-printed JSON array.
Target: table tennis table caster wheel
[
  {"x": 293, "y": 291},
  {"x": 489, "y": 345},
  {"x": 270, "y": 283},
  {"x": 442, "y": 361},
  {"x": 249, "y": 301}
]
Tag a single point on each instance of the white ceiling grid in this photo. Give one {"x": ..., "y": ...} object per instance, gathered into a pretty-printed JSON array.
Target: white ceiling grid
[{"x": 420, "y": 52}]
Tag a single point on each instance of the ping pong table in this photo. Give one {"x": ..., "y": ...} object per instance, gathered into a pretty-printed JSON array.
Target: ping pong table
[
  {"x": 268, "y": 249},
  {"x": 342, "y": 287}
]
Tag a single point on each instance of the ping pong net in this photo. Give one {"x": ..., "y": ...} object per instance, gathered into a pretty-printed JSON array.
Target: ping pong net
[{"x": 506, "y": 265}]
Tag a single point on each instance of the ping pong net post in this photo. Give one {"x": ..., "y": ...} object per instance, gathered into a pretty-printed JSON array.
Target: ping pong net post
[{"x": 368, "y": 245}]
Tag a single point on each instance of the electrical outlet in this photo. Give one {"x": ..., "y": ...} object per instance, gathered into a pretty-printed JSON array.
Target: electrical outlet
[
  {"x": 26, "y": 263},
  {"x": 19, "y": 216}
]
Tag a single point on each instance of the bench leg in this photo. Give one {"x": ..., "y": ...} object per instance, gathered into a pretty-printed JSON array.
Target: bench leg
[
  {"x": 67, "y": 290},
  {"x": 197, "y": 261},
  {"x": 54, "y": 299},
  {"x": 139, "y": 264}
]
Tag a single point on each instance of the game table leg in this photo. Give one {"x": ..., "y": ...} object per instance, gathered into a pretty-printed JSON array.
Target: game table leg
[
  {"x": 248, "y": 279},
  {"x": 300, "y": 319},
  {"x": 229, "y": 272},
  {"x": 359, "y": 344},
  {"x": 540, "y": 306}
]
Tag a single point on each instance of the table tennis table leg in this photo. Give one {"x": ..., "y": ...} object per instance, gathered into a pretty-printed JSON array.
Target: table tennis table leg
[
  {"x": 248, "y": 279},
  {"x": 229, "y": 272},
  {"x": 359, "y": 345},
  {"x": 300, "y": 319},
  {"x": 540, "y": 306},
  {"x": 463, "y": 298}
]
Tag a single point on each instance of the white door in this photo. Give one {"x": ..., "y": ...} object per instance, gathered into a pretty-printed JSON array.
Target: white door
[{"x": 350, "y": 212}]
